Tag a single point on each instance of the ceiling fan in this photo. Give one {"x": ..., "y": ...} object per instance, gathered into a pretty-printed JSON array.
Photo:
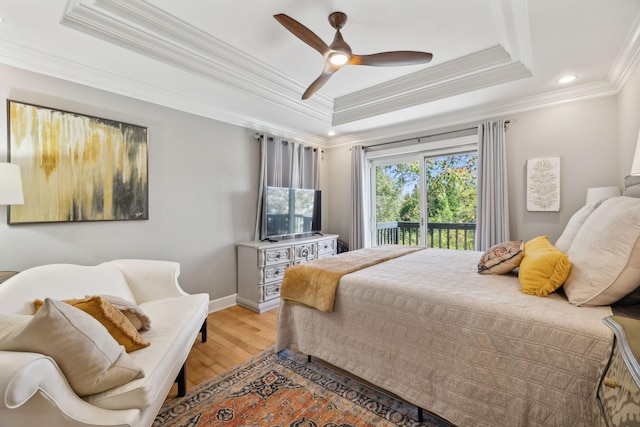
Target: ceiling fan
[{"x": 338, "y": 53}]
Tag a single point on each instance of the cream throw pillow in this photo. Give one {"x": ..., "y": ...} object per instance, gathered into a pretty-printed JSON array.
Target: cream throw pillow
[
  {"x": 91, "y": 360},
  {"x": 573, "y": 226},
  {"x": 606, "y": 254},
  {"x": 111, "y": 318}
]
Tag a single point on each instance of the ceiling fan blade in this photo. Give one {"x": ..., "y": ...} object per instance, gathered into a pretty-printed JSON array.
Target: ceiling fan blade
[
  {"x": 386, "y": 59},
  {"x": 302, "y": 32},
  {"x": 319, "y": 82}
]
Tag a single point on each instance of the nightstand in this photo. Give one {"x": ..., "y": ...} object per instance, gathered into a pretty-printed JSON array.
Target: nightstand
[{"x": 619, "y": 390}]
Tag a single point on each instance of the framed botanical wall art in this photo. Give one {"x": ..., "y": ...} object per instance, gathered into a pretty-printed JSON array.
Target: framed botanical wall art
[
  {"x": 543, "y": 184},
  {"x": 75, "y": 167}
]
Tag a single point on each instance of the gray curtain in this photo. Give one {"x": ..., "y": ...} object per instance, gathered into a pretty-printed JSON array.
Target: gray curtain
[
  {"x": 358, "y": 237},
  {"x": 492, "y": 225},
  {"x": 285, "y": 164}
]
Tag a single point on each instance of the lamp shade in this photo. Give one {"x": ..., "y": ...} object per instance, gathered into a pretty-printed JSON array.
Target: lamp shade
[
  {"x": 635, "y": 166},
  {"x": 10, "y": 185},
  {"x": 599, "y": 193}
]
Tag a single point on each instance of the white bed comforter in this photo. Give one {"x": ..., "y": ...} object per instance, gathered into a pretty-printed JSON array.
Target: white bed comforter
[{"x": 469, "y": 347}]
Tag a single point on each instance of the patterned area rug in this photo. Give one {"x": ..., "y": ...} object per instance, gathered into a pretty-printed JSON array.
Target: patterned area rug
[{"x": 283, "y": 390}]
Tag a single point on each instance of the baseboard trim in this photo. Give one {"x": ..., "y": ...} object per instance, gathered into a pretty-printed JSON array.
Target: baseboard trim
[{"x": 222, "y": 303}]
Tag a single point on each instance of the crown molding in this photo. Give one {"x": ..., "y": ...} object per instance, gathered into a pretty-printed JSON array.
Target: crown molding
[
  {"x": 481, "y": 69},
  {"x": 512, "y": 23},
  {"x": 139, "y": 26},
  {"x": 54, "y": 66},
  {"x": 483, "y": 79},
  {"x": 628, "y": 58},
  {"x": 475, "y": 115},
  {"x": 432, "y": 76},
  {"x": 143, "y": 28}
]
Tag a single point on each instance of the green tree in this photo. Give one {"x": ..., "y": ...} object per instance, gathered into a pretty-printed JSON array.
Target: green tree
[
  {"x": 451, "y": 193},
  {"x": 407, "y": 177},
  {"x": 451, "y": 188},
  {"x": 387, "y": 196}
]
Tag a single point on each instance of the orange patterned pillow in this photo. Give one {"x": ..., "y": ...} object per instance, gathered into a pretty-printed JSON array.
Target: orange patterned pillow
[{"x": 111, "y": 318}]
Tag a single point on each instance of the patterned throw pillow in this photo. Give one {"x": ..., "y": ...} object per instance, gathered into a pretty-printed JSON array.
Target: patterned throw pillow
[{"x": 501, "y": 258}]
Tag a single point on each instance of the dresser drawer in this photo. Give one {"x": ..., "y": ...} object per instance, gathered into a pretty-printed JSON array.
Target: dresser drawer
[
  {"x": 306, "y": 252},
  {"x": 270, "y": 291},
  {"x": 327, "y": 247},
  {"x": 275, "y": 256},
  {"x": 273, "y": 272}
]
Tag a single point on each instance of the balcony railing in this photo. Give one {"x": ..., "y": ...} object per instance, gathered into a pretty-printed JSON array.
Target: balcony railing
[{"x": 439, "y": 234}]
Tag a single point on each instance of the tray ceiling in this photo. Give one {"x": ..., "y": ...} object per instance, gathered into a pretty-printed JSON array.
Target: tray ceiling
[{"x": 232, "y": 61}]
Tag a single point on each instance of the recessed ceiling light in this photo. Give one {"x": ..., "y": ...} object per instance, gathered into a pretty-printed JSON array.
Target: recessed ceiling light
[
  {"x": 331, "y": 133},
  {"x": 567, "y": 79}
]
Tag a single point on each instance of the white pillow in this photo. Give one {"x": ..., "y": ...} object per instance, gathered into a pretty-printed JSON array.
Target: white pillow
[
  {"x": 10, "y": 321},
  {"x": 575, "y": 223},
  {"x": 605, "y": 254},
  {"x": 90, "y": 358}
]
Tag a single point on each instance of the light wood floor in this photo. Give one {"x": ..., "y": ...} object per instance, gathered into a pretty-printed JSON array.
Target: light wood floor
[{"x": 234, "y": 335}]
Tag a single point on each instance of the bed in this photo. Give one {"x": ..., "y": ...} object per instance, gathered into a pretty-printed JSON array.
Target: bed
[{"x": 473, "y": 348}]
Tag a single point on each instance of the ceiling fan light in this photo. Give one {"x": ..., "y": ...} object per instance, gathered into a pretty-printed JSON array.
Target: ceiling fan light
[{"x": 338, "y": 58}]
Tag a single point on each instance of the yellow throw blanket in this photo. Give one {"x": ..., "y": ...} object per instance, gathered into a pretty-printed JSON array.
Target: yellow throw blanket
[{"x": 314, "y": 283}]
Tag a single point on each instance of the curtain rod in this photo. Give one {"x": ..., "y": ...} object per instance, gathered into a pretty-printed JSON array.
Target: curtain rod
[
  {"x": 270, "y": 138},
  {"x": 506, "y": 122},
  {"x": 435, "y": 135},
  {"x": 418, "y": 138}
]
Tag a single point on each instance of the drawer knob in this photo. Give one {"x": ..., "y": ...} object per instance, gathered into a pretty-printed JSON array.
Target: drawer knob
[{"x": 611, "y": 383}]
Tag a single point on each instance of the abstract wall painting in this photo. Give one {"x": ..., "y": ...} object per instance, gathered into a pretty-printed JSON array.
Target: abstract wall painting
[
  {"x": 543, "y": 184},
  {"x": 77, "y": 168}
]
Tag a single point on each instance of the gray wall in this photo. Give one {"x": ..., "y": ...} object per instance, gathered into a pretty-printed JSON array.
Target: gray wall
[
  {"x": 203, "y": 177},
  {"x": 584, "y": 134}
]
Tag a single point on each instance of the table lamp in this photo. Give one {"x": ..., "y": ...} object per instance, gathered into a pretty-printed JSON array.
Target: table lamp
[
  {"x": 10, "y": 185},
  {"x": 599, "y": 193}
]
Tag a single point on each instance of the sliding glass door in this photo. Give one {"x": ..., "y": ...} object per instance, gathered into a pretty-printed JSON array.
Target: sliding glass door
[
  {"x": 426, "y": 199},
  {"x": 451, "y": 196},
  {"x": 397, "y": 203}
]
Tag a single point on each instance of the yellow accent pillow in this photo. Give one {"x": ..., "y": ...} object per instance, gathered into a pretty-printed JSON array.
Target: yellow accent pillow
[
  {"x": 544, "y": 268},
  {"x": 111, "y": 318}
]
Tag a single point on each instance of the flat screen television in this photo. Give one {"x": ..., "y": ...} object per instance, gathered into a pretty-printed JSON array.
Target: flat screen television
[{"x": 290, "y": 212}]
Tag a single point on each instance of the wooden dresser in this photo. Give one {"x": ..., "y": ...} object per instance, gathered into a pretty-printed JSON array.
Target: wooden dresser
[
  {"x": 619, "y": 391},
  {"x": 261, "y": 266}
]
